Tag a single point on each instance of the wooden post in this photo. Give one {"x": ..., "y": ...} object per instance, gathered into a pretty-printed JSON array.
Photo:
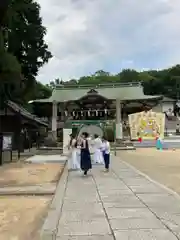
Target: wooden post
[
  {"x": 54, "y": 120},
  {"x": 1, "y": 149},
  {"x": 19, "y": 135},
  {"x": 119, "y": 132}
]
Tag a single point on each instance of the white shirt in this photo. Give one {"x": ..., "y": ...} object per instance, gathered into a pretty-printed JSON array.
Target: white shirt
[
  {"x": 89, "y": 140},
  {"x": 73, "y": 143},
  {"x": 97, "y": 143},
  {"x": 106, "y": 147}
]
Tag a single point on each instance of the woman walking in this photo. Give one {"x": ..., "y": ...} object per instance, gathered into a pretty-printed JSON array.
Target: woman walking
[
  {"x": 73, "y": 163},
  {"x": 97, "y": 144},
  {"x": 159, "y": 145},
  {"x": 85, "y": 154},
  {"x": 106, "y": 153}
]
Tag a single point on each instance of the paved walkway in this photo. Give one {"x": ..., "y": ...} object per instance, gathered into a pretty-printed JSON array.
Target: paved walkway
[{"x": 119, "y": 205}]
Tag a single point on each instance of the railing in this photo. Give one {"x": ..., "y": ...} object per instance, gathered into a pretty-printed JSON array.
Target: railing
[{"x": 105, "y": 85}]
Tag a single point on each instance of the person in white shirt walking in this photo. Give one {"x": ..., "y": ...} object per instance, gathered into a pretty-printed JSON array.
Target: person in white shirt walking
[
  {"x": 73, "y": 160},
  {"x": 97, "y": 144},
  {"x": 106, "y": 153}
]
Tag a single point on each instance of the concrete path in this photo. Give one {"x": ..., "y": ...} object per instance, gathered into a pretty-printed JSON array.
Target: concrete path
[{"x": 119, "y": 205}]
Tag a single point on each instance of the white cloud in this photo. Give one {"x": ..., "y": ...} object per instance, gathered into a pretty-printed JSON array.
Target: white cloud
[{"x": 88, "y": 35}]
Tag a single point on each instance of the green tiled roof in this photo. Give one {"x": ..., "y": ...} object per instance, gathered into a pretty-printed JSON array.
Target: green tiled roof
[{"x": 122, "y": 92}]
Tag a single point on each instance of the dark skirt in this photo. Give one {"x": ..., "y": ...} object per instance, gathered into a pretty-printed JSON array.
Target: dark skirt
[
  {"x": 106, "y": 160},
  {"x": 85, "y": 160}
]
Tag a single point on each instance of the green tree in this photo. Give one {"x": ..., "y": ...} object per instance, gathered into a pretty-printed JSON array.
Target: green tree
[
  {"x": 129, "y": 75},
  {"x": 10, "y": 69},
  {"x": 101, "y": 73},
  {"x": 155, "y": 82},
  {"x": 25, "y": 40}
]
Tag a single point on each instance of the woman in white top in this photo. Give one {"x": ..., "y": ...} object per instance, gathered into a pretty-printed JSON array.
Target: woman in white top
[
  {"x": 97, "y": 144},
  {"x": 73, "y": 161},
  {"x": 106, "y": 153}
]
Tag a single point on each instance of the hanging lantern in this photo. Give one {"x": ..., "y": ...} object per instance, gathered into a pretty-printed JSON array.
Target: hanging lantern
[
  {"x": 105, "y": 111},
  {"x": 81, "y": 113},
  {"x": 89, "y": 113},
  {"x": 96, "y": 112}
]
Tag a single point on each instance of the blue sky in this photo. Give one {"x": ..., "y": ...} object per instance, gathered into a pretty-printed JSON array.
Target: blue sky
[{"x": 88, "y": 35}]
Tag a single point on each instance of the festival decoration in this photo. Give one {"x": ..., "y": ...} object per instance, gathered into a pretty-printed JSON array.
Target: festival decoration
[{"x": 146, "y": 125}]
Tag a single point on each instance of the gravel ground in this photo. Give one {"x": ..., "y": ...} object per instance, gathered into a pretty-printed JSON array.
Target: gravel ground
[
  {"x": 21, "y": 217},
  {"x": 17, "y": 174}
]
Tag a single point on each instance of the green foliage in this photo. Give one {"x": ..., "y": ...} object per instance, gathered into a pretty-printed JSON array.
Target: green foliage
[
  {"x": 155, "y": 82},
  {"x": 9, "y": 63},
  {"x": 129, "y": 75},
  {"x": 23, "y": 50}
]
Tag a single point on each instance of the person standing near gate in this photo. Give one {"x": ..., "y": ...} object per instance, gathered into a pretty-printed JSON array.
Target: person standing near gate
[
  {"x": 73, "y": 160},
  {"x": 97, "y": 144},
  {"x": 85, "y": 154},
  {"x": 106, "y": 153}
]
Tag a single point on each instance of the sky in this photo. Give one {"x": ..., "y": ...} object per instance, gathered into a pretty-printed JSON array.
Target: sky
[{"x": 89, "y": 35}]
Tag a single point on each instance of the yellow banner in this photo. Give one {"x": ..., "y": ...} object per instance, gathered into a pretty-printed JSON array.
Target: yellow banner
[{"x": 146, "y": 125}]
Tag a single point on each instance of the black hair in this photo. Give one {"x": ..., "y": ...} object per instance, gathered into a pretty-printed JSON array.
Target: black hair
[
  {"x": 85, "y": 134},
  {"x": 76, "y": 144},
  {"x": 104, "y": 138},
  {"x": 72, "y": 137}
]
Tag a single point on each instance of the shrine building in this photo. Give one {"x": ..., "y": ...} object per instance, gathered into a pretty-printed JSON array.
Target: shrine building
[{"x": 74, "y": 106}]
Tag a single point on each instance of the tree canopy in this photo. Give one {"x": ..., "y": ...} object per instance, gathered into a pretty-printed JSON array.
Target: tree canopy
[
  {"x": 23, "y": 50},
  {"x": 155, "y": 82}
]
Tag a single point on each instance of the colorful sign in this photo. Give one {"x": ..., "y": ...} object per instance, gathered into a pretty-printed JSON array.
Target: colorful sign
[{"x": 146, "y": 125}]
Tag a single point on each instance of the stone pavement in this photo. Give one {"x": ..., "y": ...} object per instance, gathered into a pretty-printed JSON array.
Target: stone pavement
[{"x": 120, "y": 205}]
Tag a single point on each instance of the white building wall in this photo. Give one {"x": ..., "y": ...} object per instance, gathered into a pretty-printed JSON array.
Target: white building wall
[
  {"x": 157, "y": 108},
  {"x": 163, "y": 107},
  {"x": 166, "y": 106}
]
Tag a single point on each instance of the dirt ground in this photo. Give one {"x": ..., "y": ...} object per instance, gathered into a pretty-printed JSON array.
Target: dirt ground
[
  {"x": 17, "y": 174},
  {"x": 162, "y": 166},
  {"x": 21, "y": 217}
]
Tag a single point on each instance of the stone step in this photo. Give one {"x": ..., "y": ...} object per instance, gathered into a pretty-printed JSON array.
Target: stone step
[{"x": 29, "y": 190}]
